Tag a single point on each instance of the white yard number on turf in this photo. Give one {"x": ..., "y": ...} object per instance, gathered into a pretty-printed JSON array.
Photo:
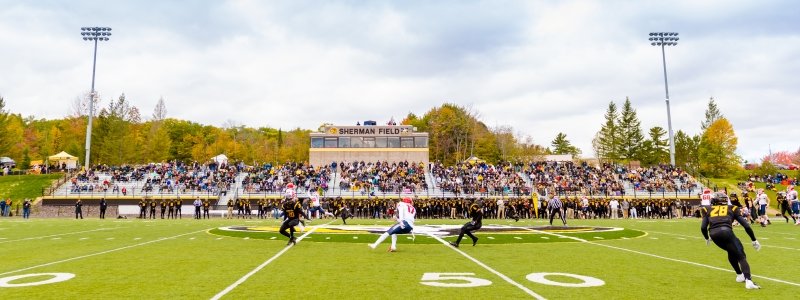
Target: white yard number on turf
[
  {"x": 5, "y": 282},
  {"x": 587, "y": 281},
  {"x": 435, "y": 279},
  {"x": 466, "y": 280}
]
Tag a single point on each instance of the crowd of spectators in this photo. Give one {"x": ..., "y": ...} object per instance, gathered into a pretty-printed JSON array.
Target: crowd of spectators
[
  {"x": 569, "y": 178},
  {"x": 369, "y": 177},
  {"x": 480, "y": 178},
  {"x": 273, "y": 179},
  {"x": 777, "y": 178},
  {"x": 661, "y": 178},
  {"x": 171, "y": 177}
]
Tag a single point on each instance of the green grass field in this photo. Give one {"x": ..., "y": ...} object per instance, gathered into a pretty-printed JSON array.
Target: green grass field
[
  {"x": 19, "y": 187},
  {"x": 194, "y": 259}
]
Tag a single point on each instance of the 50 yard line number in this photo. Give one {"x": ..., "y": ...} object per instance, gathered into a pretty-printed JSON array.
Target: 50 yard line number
[{"x": 462, "y": 280}]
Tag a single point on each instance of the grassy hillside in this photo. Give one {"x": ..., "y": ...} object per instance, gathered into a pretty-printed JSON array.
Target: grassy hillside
[{"x": 18, "y": 187}]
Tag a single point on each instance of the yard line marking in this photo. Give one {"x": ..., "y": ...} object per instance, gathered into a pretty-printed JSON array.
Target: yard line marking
[
  {"x": 697, "y": 237},
  {"x": 262, "y": 265},
  {"x": 782, "y": 233},
  {"x": 54, "y": 235},
  {"x": 102, "y": 252},
  {"x": 661, "y": 257},
  {"x": 504, "y": 277}
]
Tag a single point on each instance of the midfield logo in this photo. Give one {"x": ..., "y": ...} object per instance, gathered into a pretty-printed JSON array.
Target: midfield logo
[{"x": 438, "y": 230}]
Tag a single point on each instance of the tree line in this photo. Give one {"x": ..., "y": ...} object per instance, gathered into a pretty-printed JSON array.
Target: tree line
[
  {"x": 121, "y": 135},
  {"x": 711, "y": 153}
]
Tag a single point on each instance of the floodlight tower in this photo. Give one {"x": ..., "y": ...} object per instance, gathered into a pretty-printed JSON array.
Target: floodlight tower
[
  {"x": 94, "y": 34},
  {"x": 664, "y": 39}
]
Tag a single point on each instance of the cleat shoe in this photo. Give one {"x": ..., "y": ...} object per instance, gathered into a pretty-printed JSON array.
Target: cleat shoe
[
  {"x": 740, "y": 278},
  {"x": 372, "y": 246},
  {"x": 453, "y": 244},
  {"x": 475, "y": 241},
  {"x": 750, "y": 285},
  {"x": 292, "y": 241},
  {"x": 392, "y": 249}
]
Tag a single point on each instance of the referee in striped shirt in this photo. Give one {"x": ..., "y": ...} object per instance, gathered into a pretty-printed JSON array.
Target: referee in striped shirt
[{"x": 555, "y": 206}]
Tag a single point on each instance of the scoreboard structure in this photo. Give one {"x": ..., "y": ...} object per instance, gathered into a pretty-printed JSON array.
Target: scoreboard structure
[{"x": 368, "y": 144}]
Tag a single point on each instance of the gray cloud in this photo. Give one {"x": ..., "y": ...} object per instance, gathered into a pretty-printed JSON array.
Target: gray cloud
[{"x": 542, "y": 67}]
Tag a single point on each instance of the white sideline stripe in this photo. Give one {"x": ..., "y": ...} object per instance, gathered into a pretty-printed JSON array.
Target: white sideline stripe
[
  {"x": 504, "y": 277},
  {"x": 697, "y": 237},
  {"x": 262, "y": 265},
  {"x": 61, "y": 234},
  {"x": 102, "y": 252},
  {"x": 663, "y": 257}
]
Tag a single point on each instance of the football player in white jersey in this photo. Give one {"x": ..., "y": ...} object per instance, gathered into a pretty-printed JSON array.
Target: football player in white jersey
[
  {"x": 763, "y": 203},
  {"x": 316, "y": 206},
  {"x": 705, "y": 198},
  {"x": 289, "y": 191},
  {"x": 405, "y": 224},
  {"x": 584, "y": 207},
  {"x": 794, "y": 203}
]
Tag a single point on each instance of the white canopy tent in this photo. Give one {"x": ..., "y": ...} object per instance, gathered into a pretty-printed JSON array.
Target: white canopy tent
[
  {"x": 220, "y": 159},
  {"x": 63, "y": 159}
]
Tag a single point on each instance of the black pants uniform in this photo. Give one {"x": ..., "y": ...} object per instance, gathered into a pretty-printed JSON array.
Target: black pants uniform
[
  {"x": 102, "y": 212},
  {"x": 205, "y": 213},
  {"x": 787, "y": 209},
  {"x": 468, "y": 229},
  {"x": 558, "y": 211},
  {"x": 197, "y": 212},
  {"x": 143, "y": 212},
  {"x": 725, "y": 239},
  {"x": 345, "y": 213},
  {"x": 163, "y": 210},
  {"x": 171, "y": 213},
  {"x": 178, "y": 212},
  {"x": 289, "y": 224},
  {"x": 152, "y": 212},
  {"x": 78, "y": 213}
]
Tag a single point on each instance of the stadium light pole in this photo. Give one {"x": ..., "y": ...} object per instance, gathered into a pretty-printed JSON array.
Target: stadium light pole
[
  {"x": 663, "y": 39},
  {"x": 93, "y": 34}
]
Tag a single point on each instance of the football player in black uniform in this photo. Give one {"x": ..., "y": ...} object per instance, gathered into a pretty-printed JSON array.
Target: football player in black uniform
[
  {"x": 152, "y": 204},
  {"x": 143, "y": 209},
  {"x": 476, "y": 212},
  {"x": 292, "y": 210},
  {"x": 717, "y": 219},
  {"x": 783, "y": 202}
]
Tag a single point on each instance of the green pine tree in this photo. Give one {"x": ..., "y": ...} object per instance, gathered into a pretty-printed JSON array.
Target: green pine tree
[
  {"x": 561, "y": 145},
  {"x": 608, "y": 138},
  {"x": 630, "y": 129},
  {"x": 712, "y": 114}
]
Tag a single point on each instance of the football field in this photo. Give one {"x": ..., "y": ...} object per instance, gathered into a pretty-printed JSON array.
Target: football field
[{"x": 247, "y": 259}]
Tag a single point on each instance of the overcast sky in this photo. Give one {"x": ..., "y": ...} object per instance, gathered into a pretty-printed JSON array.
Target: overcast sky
[{"x": 542, "y": 67}]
